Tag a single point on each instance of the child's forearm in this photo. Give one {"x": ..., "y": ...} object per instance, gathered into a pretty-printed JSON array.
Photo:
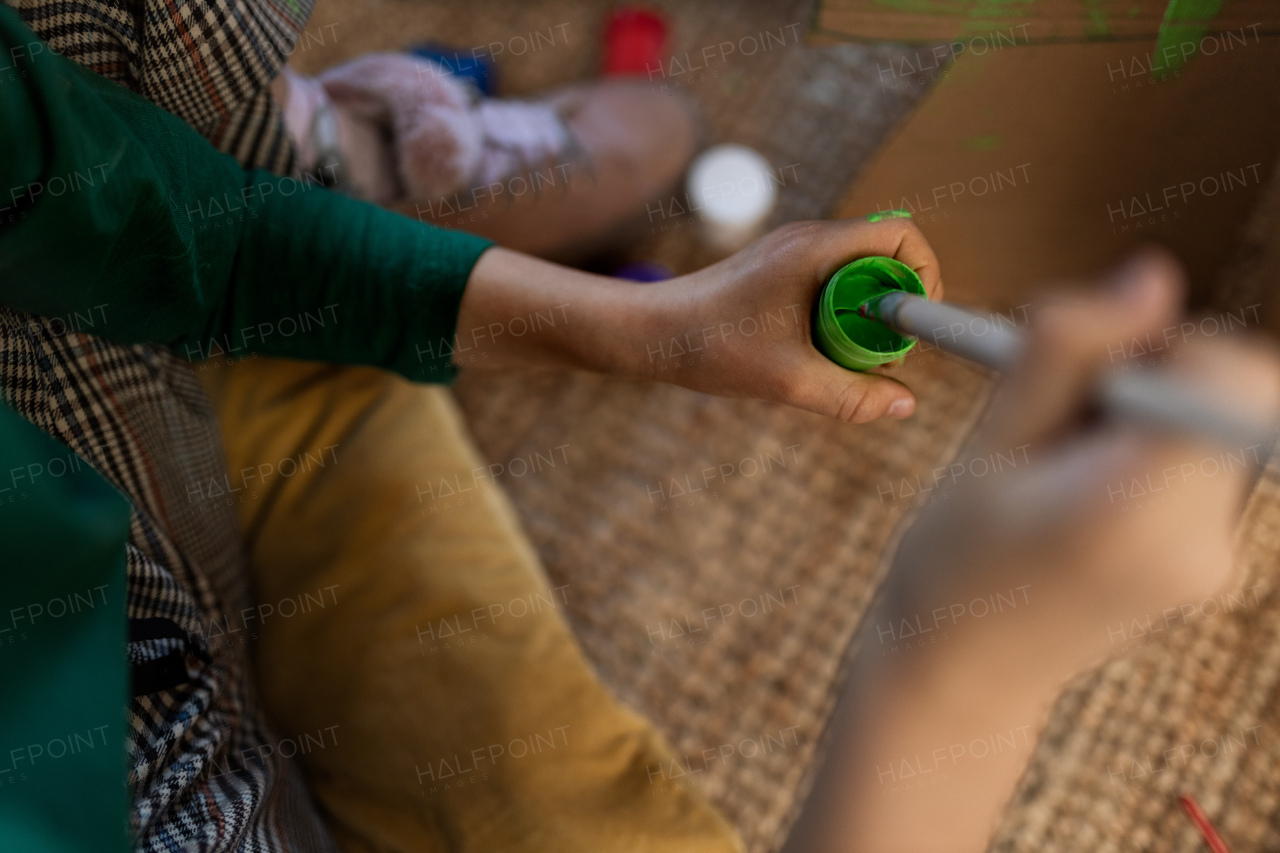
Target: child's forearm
[
  {"x": 739, "y": 328},
  {"x": 519, "y": 311}
]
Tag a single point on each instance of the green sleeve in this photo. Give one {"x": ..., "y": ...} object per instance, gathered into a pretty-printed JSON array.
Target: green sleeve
[
  {"x": 63, "y": 659},
  {"x": 118, "y": 219}
]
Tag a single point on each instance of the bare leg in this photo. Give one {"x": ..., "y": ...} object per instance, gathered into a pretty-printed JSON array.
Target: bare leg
[{"x": 632, "y": 147}]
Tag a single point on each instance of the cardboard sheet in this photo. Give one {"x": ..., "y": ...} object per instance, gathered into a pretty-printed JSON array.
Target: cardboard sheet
[{"x": 1040, "y": 163}]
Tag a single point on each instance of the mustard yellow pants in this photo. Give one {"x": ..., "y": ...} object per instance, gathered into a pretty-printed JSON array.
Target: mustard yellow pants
[{"x": 424, "y": 651}]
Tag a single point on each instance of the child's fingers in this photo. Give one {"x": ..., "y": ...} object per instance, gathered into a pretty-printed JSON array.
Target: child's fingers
[
  {"x": 834, "y": 244},
  {"x": 1244, "y": 376},
  {"x": 826, "y": 388},
  {"x": 902, "y": 240},
  {"x": 1075, "y": 337},
  {"x": 912, "y": 249}
]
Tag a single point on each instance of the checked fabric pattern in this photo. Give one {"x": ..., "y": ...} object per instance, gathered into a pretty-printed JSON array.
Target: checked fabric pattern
[
  {"x": 208, "y": 62},
  {"x": 203, "y": 770}
]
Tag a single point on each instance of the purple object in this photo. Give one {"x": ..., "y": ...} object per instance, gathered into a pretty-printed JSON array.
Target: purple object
[{"x": 644, "y": 271}]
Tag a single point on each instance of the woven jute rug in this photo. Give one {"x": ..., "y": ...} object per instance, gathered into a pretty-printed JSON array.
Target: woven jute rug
[
  {"x": 716, "y": 589},
  {"x": 718, "y": 555},
  {"x": 1192, "y": 710}
]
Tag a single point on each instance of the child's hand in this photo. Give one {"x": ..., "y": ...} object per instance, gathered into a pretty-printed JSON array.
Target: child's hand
[
  {"x": 1085, "y": 535},
  {"x": 1114, "y": 519},
  {"x": 741, "y": 328}
]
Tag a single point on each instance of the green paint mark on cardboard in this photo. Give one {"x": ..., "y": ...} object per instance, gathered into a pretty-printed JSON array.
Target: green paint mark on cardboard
[
  {"x": 889, "y": 214},
  {"x": 983, "y": 142},
  {"x": 1098, "y": 27},
  {"x": 1185, "y": 21},
  {"x": 969, "y": 8},
  {"x": 927, "y": 7}
]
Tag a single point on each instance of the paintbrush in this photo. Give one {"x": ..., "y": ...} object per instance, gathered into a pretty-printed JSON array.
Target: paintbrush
[{"x": 1136, "y": 395}]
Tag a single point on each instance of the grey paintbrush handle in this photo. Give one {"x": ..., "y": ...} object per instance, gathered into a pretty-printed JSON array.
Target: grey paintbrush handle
[
  {"x": 1161, "y": 401},
  {"x": 990, "y": 341},
  {"x": 1137, "y": 395}
]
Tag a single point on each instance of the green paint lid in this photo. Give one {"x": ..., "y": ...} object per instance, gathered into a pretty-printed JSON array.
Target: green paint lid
[{"x": 845, "y": 336}]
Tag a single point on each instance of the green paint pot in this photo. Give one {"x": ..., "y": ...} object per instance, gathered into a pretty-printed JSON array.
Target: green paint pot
[{"x": 846, "y": 337}]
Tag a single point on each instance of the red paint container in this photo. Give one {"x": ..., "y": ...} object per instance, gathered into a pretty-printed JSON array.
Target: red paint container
[{"x": 634, "y": 40}]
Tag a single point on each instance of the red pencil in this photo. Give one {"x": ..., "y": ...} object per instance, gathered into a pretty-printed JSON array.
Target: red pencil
[{"x": 1201, "y": 820}]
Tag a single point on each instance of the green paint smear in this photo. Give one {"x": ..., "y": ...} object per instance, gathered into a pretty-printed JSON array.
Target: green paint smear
[
  {"x": 1184, "y": 21},
  {"x": 968, "y": 8},
  {"x": 889, "y": 214},
  {"x": 985, "y": 142},
  {"x": 928, "y": 7},
  {"x": 1098, "y": 27}
]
